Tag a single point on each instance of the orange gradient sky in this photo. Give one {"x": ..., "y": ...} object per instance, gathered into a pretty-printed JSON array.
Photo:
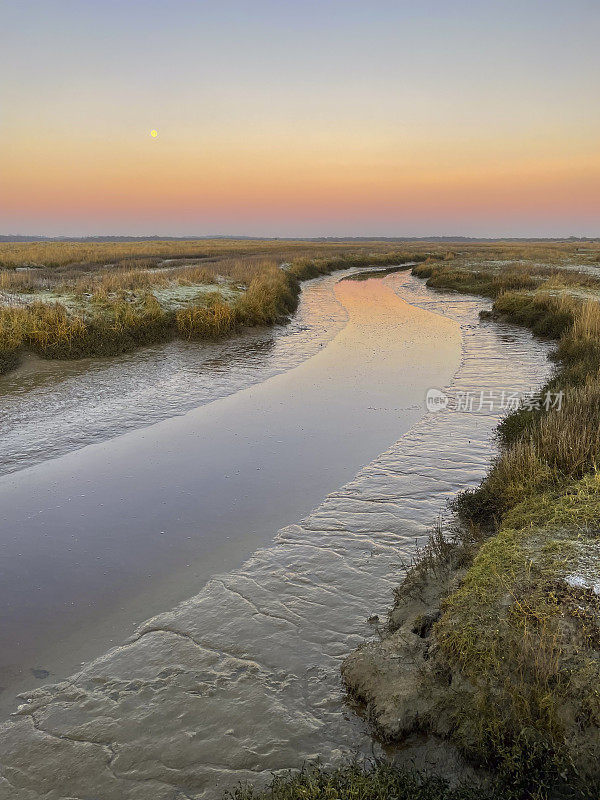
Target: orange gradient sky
[{"x": 306, "y": 119}]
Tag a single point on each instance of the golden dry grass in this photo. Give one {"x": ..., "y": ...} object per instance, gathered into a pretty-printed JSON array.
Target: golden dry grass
[{"x": 60, "y": 254}]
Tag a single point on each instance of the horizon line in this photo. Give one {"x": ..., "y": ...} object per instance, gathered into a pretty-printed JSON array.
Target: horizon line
[{"x": 24, "y": 237}]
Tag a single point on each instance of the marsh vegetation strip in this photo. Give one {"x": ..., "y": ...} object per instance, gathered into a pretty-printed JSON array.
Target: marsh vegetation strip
[{"x": 243, "y": 678}]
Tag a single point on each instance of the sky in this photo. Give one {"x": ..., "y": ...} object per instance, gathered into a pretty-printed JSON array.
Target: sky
[{"x": 300, "y": 118}]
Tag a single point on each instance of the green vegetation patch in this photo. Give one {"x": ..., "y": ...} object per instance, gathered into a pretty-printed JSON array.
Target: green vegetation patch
[
  {"x": 523, "y": 633},
  {"x": 578, "y": 505}
]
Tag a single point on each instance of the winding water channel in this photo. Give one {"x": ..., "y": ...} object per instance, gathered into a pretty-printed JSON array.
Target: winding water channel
[{"x": 243, "y": 678}]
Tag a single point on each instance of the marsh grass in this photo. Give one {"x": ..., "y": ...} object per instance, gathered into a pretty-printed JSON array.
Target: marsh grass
[
  {"x": 545, "y": 448},
  {"x": 446, "y": 550},
  {"x": 521, "y": 642},
  {"x": 213, "y": 321},
  {"x": 144, "y": 254},
  {"x": 486, "y": 283},
  {"x": 378, "y": 780},
  {"x": 51, "y": 332},
  {"x": 140, "y": 254},
  {"x": 545, "y": 314}
]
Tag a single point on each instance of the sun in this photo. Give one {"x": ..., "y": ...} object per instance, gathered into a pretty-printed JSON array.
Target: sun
[{"x": 153, "y": 134}]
